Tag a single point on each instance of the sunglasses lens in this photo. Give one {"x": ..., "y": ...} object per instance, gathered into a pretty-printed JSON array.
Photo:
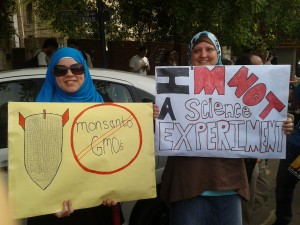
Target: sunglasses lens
[
  {"x": 60, "y": 70},
  {"x": 77, "y": 69}
]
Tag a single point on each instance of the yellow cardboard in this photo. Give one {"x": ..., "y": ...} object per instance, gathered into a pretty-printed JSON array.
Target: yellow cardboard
[{"x": 84, "y": 152}]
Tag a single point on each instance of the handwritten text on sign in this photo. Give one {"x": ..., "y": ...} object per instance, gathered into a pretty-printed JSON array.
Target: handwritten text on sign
[
  {"x": 58, "y": 151},
  {"x": 222, "y": 111}
]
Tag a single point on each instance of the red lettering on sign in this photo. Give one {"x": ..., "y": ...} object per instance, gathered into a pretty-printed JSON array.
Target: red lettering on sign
[
  {"x": 209, "y": 80},
  {"x": 242, "y": 82},
  {"x": 255, "y": 95},
  {"x": 274, "y": 103}
]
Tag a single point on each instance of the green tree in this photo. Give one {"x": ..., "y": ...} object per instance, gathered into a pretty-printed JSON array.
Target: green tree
[
  {"x": 238, "y": 23},
  {"x": 241, "y": 24},
  {"x": 6, "y": 25},
  {"x": 65, "y": 16}
]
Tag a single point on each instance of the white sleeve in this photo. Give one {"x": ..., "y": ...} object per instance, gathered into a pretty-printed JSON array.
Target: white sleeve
[
  {"x": 147, "y": 62},
  {"x": 89, "y": 60},
  {"x": 42, "y": 59},
  {"x": 132, "y": 62}
]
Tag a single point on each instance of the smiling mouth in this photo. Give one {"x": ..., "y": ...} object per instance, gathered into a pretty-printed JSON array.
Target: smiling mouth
[{"x": 70, "y": 82}]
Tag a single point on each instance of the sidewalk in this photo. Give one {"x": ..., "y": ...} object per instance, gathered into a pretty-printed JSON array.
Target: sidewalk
[{"x": 268, "y": 213}]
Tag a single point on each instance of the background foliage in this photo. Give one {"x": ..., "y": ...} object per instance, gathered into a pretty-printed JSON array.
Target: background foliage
[
  {"x": 7, "y": 8},
  {"x": 241, "y": 24}
]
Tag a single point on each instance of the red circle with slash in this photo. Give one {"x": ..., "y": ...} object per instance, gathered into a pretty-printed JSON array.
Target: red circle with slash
[{"x": 85, "y": 167}]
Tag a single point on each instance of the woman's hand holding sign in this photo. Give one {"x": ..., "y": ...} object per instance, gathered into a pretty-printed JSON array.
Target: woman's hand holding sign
[
  {"x": 66, "y": 211},
  {"x": 288, "y": 124}
]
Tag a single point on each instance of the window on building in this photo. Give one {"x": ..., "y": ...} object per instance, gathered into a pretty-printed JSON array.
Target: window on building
[{"x": 29, "y": 15}]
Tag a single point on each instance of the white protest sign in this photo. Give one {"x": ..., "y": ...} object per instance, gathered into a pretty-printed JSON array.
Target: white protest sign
[{"x": 222, "y": 111}]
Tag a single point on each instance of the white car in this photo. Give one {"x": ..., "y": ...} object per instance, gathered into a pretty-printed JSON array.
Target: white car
[{"x": 115, "y": 86}]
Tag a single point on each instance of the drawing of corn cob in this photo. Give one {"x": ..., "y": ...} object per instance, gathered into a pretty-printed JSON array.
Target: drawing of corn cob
[{"x": 43, "y": 142}]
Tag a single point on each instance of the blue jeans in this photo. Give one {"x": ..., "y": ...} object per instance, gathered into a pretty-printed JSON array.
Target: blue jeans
[
  {"x": 285, "y": 186},
  {"x": 207, "y": 210}
]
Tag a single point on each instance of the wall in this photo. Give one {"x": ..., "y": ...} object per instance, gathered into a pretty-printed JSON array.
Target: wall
[
  {"x": 287, "y": 56},
  {"x": 118, "y": 55},
  {"x": 121, "y": 52},
  {"x": 18, "y": 58},
  {"x": 5, "y": 55}
]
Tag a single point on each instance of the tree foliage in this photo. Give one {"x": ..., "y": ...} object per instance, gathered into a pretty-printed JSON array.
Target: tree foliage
[
  {"x": 7, "y": 8},
  {"x": 237, "y": 23},
  {"x": 66, "y": 16}
]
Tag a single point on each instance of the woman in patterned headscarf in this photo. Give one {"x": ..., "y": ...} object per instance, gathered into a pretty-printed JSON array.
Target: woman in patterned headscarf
[
  {"x": 202, "y": 191},
  {"x": 211, "y": 39}
]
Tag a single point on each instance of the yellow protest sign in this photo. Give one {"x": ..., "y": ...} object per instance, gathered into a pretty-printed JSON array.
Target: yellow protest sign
[{"x": 84, "y": 152}]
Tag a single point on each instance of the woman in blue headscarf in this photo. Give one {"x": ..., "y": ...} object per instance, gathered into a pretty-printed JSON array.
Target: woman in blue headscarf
[{"x": 68, "y": 80}]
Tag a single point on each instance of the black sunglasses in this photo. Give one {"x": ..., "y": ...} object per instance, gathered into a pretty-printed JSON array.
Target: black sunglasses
[{"x": 61, "y": 70}]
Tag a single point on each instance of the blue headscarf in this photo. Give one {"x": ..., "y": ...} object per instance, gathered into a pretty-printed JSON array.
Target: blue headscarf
[
  {"x": 213, "y": 40},
  {"x": 51, "y": 92}
]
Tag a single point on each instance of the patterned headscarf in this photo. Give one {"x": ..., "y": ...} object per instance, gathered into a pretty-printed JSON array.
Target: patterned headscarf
[
  {"x": 213, "y": 40},
  {"x": 51, "y": 92}
]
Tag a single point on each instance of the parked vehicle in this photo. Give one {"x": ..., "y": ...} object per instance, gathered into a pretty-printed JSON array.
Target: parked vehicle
[{"x": 115, "y": 86}]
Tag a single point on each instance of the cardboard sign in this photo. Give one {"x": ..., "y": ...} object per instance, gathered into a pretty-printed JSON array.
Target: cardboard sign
[
  {"x": 222, "y": 111},
  {"x": 79, "y": 151}
]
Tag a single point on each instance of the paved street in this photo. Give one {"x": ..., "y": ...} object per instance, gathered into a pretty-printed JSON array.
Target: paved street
[{"x": 268, "y": 214}]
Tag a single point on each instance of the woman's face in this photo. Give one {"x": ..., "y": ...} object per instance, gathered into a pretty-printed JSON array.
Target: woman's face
[
  {"x": 204, "y": 54},
  {"x": 70, "y": 82}
]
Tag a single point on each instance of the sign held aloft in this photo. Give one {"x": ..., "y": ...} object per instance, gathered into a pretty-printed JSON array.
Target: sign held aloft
[{"x": 222, "y": 111}]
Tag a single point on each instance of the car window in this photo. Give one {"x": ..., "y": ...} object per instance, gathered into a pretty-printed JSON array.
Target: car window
[
  {"x": 16, "y": 91},
  {"x": 112, "y": 92},
  {"x": 146, "y": 97}
]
